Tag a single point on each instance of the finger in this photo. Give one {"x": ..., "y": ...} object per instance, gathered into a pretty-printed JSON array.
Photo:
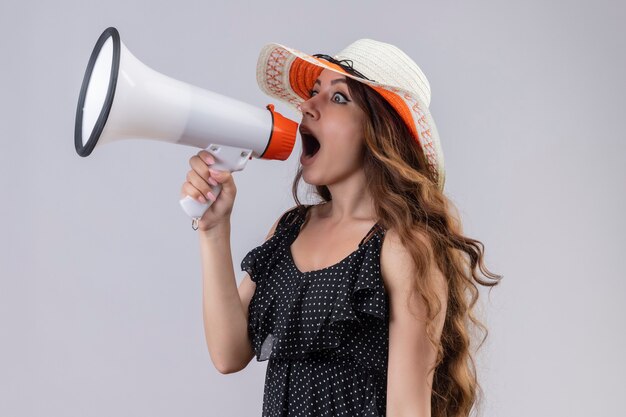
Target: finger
[
  {"x": 225, "y": 178},
  {"x": 191, "y": 191},
  {"x": 200, "y": 183},
  {"x": 206, "y": 157},
  {"x": 220, "y": 176},
  {"x": 200, "y": 166}
]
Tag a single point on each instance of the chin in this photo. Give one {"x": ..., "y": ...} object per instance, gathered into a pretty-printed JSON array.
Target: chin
[{"x": 312, "y": 179}]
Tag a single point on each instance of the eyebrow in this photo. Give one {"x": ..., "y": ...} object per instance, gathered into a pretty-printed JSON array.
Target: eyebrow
[{"x": 338, "y": 80}]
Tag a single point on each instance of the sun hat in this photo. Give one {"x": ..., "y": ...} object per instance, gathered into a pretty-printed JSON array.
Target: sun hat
[{"x": 288, "y": 74}]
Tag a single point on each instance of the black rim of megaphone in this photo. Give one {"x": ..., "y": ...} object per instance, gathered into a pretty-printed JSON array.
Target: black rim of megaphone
[{"x": 85, "y": 150}]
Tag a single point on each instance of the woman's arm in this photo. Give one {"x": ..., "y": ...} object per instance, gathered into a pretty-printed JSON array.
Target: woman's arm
[
  {"x": 225, "y": 322},
  {"x": 409, "y": 382},
  {"x": 225, "y": 308}
]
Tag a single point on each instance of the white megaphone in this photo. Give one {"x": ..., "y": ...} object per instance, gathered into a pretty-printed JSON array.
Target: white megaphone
[{"x": 121, "y": 98}]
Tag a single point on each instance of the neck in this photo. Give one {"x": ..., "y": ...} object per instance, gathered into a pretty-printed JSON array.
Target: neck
[{"x": 351, "y": 201}]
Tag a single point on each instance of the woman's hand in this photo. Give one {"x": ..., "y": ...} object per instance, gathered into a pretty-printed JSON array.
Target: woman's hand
[{"x": 200, "y": 179}]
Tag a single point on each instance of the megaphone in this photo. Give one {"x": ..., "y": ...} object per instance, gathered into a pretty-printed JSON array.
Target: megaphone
[{"x": 122, "y": 98}]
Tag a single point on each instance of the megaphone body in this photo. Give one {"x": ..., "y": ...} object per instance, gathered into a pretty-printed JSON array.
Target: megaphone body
[{"x": 121, "y": 98}]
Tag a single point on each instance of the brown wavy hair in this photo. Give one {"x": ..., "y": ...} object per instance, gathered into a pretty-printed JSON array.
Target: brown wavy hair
[{"x": 407, "y": 199}]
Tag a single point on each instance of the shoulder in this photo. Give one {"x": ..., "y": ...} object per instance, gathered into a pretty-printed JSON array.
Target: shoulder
[{"x": 398, "y": 268}]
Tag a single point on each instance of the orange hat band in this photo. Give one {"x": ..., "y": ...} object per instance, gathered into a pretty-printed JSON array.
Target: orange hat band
[{"x": 302, "y": 76}]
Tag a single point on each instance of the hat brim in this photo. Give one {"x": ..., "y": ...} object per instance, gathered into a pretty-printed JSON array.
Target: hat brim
[{"x": 288, "y": 74}]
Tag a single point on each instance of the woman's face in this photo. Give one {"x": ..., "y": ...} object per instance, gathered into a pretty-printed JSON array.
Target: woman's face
[{"x": 336, "y": 122}]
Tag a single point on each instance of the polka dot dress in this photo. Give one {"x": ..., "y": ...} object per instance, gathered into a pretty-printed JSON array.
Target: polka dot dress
[{"x": 325, "y": 332}]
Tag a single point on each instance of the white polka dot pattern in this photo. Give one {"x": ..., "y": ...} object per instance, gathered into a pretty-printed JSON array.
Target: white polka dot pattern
[{"x": 325, "y": 332}]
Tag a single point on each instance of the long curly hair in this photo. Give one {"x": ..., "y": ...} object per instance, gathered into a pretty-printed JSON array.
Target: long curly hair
[{"x": 407, "y": 199}]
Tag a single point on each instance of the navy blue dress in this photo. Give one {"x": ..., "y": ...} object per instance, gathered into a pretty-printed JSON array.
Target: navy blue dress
[{"x": 325, "y": 332}]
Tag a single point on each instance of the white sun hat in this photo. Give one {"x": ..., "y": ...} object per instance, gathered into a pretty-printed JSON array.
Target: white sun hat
[{"x": 288, "y": 74}]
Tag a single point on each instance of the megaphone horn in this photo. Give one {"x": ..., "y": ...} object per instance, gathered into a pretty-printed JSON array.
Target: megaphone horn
[{"x": 122, "y": 98}]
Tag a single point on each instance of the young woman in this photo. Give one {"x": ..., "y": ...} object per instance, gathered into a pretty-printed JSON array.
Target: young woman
[{"x": 362, "y": 302}]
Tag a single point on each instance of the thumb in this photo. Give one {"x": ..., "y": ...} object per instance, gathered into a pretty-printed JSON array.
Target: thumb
[{"x": 223, "y": 177}]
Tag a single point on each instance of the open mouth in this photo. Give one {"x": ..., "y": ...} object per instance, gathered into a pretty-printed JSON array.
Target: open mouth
[{"x": 310, "y": 144}]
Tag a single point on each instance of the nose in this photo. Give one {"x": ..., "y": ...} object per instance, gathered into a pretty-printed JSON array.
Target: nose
[{"x": 309, "y": 108}]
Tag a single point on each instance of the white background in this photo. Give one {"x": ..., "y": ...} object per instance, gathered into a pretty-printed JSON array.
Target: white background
[{"x": 100, "y": 283}]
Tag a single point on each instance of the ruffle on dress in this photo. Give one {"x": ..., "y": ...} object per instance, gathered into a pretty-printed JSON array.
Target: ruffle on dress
[
  {"x": 259, "y": 261},
  {"x": 285, "y": 322},
  {"x": 258, "y": 264}
]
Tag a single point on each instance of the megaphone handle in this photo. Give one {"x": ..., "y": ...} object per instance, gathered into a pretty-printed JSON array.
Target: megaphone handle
[
  {"x": 196, "y": 209},
  {"x": 226, "y": 159}
]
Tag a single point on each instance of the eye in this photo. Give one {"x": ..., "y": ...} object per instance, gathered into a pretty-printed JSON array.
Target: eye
[
  {"x": 340, "y": 95},
  {"x": 337, "y": 94}
]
